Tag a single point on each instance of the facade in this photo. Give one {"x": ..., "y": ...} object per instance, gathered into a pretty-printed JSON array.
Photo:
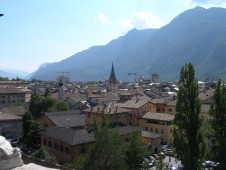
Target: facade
[
  {"x": 11, "y": 96},
  {"x": 151, "y": 140},
  {"x": 137, "y": 107},
  {"x": 10, "y": 124},
  {"x": 159, "y": 123}
]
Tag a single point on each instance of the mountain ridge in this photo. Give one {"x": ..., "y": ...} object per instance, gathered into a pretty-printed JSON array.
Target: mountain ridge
[{"x": 197, "y": 35}]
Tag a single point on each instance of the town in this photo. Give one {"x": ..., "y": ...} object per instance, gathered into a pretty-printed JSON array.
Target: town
[{"x": 59, "y": 117}]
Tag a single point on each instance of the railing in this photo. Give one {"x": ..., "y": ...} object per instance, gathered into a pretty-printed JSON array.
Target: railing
[{"x": 30, "y": 159}]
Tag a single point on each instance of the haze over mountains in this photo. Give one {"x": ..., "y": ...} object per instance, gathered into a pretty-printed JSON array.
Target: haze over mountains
[{"x": 197, "y": 35}]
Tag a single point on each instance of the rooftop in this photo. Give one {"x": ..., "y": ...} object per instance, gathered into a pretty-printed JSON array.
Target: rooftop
[
  {"x": 158, "y": 116},
  {"x": 67, "y": 118}
]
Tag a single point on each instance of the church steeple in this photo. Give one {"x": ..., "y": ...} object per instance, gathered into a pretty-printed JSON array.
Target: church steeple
[{"x": 112, "y": 78}]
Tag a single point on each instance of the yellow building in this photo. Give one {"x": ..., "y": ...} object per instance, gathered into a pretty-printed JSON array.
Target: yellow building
[
  {"x": 160, "y": 123},
  {"x": 137, "y": 106}
]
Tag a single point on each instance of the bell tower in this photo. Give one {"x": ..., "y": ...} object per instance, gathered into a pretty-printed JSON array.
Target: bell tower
[{"x": 113, "y": 84}]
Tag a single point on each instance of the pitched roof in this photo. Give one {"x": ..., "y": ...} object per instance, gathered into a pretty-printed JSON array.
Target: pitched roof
[
  {"x": 69, "y": 135},
  {"x": 12, "y": 90},
  {"x": 75, "y": 137},
  {"x": 109, "y": 109},
  {"x": 148, "y": 134},
  {"x": 158, "y": 116},
  {"x": 6, "y": 117},
  {"x": 206, "y": 94},
  {"x": 14, "y": 110},
  {"x": 112, "y": 78},
  {"x": 135, "y": 103},
  {"x": 67, "y": 118}
]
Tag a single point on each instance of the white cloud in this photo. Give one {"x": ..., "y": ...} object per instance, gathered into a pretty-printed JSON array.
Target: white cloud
[
  {"x": 147, "y": 19},
  {"x": 141, "y": 20},
  {"x": 103, "y": 19},
  {"x": 208, "y": 3},
  {"x": 126, "y": 24}
]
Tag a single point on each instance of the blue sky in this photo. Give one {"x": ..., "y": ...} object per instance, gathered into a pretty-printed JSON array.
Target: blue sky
[{"x": 33, "y": 32}]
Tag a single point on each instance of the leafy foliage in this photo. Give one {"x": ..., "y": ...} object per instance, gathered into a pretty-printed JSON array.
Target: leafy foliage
[
  {"x": 188, "y": 136},
  {"x": 106, "y": 152},
  {"x": 218, "y": 122},
  {"x": 41, "y": 153},
  {"x": 40, "y": 104},
  {"x": 135, "y": 151},
  {"x": 31, "y": 131}
]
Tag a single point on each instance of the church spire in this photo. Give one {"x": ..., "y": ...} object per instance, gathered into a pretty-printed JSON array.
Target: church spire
[{"x": 112, "y": 78}]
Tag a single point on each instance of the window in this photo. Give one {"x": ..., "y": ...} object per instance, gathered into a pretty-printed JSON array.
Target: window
[
  {"x": 151, "y": 129},
  {"x": 44, "y": 141},
  {"x": 162, "y": 130},
  {"x": 170, "y": 110},
  {"x": 67, "y": 150},
  {"x": 56, "y": 146},
  {"x": 50, "y": 143},
  {"x": 82, "y": 150},
  {"x": 61, "y": 148},
  {"x": 88, "y": 115},
  {"x": 171, "y": 130},
  {"x": 3, "y": 96},
  {"x": 156, "y": 130},
  {"x": 146, "y": 128}
]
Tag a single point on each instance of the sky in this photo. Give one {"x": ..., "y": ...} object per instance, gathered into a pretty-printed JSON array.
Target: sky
[{"x": 33, "y": 32}]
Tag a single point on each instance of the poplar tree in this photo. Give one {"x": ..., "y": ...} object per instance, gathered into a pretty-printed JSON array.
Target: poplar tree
[
  {"x": 188, "y": 136},
  {"x": 218, "y": 122}
]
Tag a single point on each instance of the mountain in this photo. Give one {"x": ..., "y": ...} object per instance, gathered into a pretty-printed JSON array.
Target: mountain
[
  {"x": 13, "y": 73},
  {"x": 197, "y": 35}
]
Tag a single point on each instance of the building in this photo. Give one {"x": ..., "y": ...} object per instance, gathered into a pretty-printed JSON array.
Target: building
[
  {"x": 114, "y": 114},
  {"x": 152, "y": 140},
  {"x": 112, "y": 83},
  {"x": 137, "y": 106},
  {"x": 60, "y": 90},
  {"x": 67, "y": 144},
  {"x": 155, "y": 77},
  {"x": 73, "y": 119},
  {"x": 11, "y": 96},
  {"x": 10, "y": 125},
  {"x": 159, "y": 123}
]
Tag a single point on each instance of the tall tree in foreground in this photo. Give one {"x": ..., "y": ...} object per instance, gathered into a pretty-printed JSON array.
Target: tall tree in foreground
[
  {"x": 106, "y": 153},
  {"x": 188, "y": 136},
  {"x": 135, "y": 151},
  {"x": 218, "y": 122}
]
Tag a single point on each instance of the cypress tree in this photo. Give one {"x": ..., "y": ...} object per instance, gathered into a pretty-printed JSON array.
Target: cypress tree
[
  {"x": 188, "y": 136},
  {"x": 218, "y": 122}
]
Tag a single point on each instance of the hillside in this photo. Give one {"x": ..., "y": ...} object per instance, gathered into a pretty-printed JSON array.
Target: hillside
[{"x": 197, "y": 35}]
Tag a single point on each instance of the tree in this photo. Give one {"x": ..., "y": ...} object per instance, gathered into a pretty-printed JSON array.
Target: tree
[
  {"x": 106, "y": 152},
  {"x": 189, "y": 140},
  {"x": 135, "y": 151},
  {"x": 41, "y": 153},
  {"x": 31, "y": 131},
  {"x": 218, "y": 122}
]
